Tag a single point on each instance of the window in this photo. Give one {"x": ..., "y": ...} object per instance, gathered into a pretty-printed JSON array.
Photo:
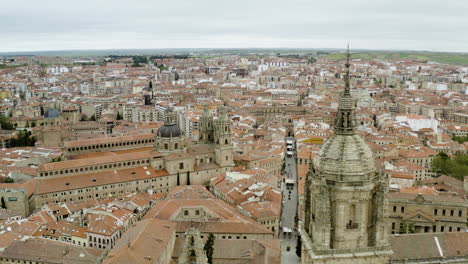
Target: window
[
  {"x": 460, "y": 213},
  {"x": 176, "y": 145},
  {"x": 12, "y": 199},
  {"x": 197, "y": 212},
  {"x": 402, "y": 209},
  {"x": 443, "y": 212},
  {"x": 166, "y": 146},
  {"x": 451, "y": 212},
  {"x": 435, "y": 211},
  {"x": 186, "y": 212},
  {"x": 181, "y": 166}
]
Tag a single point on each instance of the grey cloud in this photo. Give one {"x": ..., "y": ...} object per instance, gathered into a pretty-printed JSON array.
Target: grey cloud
[{"x": 370, "y": 24}]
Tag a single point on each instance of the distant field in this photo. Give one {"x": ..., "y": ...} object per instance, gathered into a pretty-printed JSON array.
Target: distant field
[{"x": 455, "y": 58}]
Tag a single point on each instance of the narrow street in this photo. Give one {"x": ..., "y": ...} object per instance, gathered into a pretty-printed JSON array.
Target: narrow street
[{"x": 288, "y": 233}]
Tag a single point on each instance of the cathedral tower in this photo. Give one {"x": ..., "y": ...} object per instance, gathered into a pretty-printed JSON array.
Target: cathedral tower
[
  {"x": 206, "y": 127},
  {"x": 345, "y": 219},
  {"x": 222, "y": 139}
]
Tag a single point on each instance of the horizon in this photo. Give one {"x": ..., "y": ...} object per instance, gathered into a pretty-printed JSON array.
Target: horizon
[{"x": 213, "y": 49}]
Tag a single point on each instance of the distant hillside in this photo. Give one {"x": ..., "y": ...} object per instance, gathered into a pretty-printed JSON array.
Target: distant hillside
[{"x": 440, "y": 57}]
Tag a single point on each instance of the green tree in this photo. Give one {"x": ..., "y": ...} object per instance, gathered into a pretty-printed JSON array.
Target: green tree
[
  {"x": 5, "y": 123},
  {"x": 57, "y": 159},
  {"x": 93, "y": 117},
  {"x": 209, "y": 248},
  {"x": 456, "y": 167},
  {"x": 22, "y": 95},
  {"x": 460, "y": 139},
  {"x": 8, "y": 180},
  {"x": 23, "y": 139},
  {"x": 119, "y": 116}
]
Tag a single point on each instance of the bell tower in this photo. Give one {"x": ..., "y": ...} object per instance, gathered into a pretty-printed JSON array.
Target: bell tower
[
  {"x": 206, "y": 127},
  {"x": 222, "y": 139},
  {"x": 345, "y": 220}
]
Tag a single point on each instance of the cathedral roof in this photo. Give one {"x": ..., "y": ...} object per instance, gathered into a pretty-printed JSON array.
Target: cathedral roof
[{"x": 345, "y": 153}]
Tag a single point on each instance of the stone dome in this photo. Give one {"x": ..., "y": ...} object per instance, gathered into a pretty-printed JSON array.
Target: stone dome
[
  {"x": 168, "y": 131},
  {"x": 51, "y": 113},
  {"x": 345, "y": 158}
]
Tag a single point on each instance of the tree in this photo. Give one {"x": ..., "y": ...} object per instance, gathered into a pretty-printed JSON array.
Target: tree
[
  {"x": 9, "y": 180},
  {"x": 57, "y": 159},
  {"x": 22, "y": 95},
  {"x": 440, "y": 164},
  {"x": 23, "y": 139},
  {"x": 5, "y": 123},
  {"x": 93, "y": 117},
  {"x": 456, "y": 167},
  {"x": 119, "y": 116},
  {"x": 84, "y": 118},
  {"x": 460, "y": 139},
  {"x": 209, "y": 248}
]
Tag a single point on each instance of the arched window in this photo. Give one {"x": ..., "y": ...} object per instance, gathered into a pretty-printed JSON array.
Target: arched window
[{"x": 352, "y": 216}]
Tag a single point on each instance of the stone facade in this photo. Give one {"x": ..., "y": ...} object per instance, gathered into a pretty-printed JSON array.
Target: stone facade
[{"x": 417, "y": 213}]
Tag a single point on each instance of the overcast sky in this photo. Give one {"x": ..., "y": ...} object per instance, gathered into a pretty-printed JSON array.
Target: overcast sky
[{"x": 29, "y": 25}]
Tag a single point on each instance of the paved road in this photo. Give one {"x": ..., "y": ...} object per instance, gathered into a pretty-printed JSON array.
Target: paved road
[{"x": 289, "y": 210}]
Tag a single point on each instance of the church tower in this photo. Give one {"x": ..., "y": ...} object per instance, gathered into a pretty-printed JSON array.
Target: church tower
[
  {"x": 222, "y": 139},
  {"x": 206, "y": 127},
  {"x": 345, "y": 220}
]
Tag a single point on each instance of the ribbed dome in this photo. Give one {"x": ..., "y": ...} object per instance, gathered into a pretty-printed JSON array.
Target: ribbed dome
[
  {"x": 168, "y": 131},
  {"x": 345, "y": 157}
]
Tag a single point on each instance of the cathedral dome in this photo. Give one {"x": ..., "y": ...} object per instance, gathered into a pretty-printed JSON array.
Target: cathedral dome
[
  {"x": 51, "y": 113},
  {"x": 168, "y": 131},
  {"x": 345, "y": 158}
]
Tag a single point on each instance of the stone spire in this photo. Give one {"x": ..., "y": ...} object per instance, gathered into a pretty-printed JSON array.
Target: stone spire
[{"x": 345, "y": 123}]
